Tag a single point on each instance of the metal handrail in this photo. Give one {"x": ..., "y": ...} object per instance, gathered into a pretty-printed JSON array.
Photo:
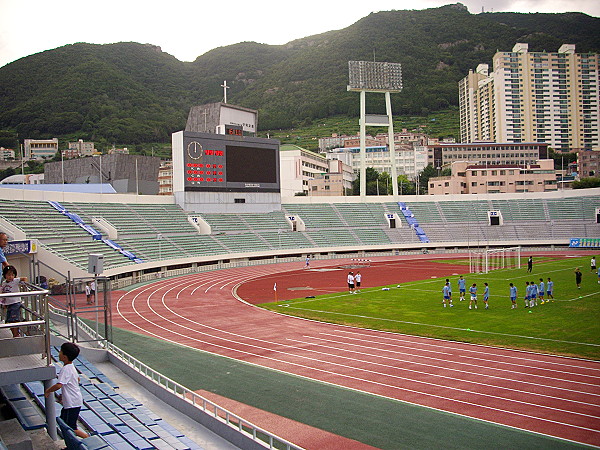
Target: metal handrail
[
  {"x": 233, "y": 420},
  {"x": 223, "y": 415}
]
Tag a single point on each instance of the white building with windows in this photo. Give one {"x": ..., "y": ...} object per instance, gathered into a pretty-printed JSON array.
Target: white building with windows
[
  {"x": 297, "y": 167},
  {"x": 40, "y": 148},
  {"x": 410, "y": 159}
]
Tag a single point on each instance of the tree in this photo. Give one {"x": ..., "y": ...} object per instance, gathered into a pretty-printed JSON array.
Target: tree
[
  {"x": 427, "y": 173},
  {"x": 372, "y": 183},
  {"x": 585, "y": 183},
  {"x": 405, "y": 186}
]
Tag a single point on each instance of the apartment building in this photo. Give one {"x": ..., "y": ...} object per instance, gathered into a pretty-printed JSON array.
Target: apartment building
[
  {"x": 469, "y": 178},
  {"x": 533, "y": 97}
]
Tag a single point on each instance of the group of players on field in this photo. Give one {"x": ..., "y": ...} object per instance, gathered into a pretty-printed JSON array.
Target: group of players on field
[{"x": 544, "y": 292}]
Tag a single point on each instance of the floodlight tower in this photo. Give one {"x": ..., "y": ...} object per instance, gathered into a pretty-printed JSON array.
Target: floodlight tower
[{"x": 381, "y": 77}]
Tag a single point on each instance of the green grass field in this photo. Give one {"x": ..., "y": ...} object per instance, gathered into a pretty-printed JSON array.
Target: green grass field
[{"x": 568, "y": 326}]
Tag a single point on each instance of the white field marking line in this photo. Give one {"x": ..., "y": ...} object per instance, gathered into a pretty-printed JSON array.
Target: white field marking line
[
  {"x": 496, "y": 361},
  {"x": 460, "y": 380},
  {"x": 577, "y": 298},
  {"x": 461, "y": 346},
  {"x": 316, "y": 360},
  {"x": 321, "y": 370},
  {"x": 445, "y": 367},
  {"x": 360, "y": 380},
  {"x": 365, "y": 380},
  {"x": 470, "y": 365},
  {"x": 440, "y": 326},
  {"x": 344, "y": 366}
]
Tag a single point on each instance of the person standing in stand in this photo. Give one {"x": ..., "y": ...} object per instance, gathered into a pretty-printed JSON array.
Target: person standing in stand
[{"x": 3, "y": 243}]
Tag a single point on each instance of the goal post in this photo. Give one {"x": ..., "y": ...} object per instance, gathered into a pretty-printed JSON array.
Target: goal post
[{"x": 493, "y": 259}]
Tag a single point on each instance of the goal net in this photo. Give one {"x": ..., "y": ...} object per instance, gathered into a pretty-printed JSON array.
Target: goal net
[{"x": 493, "y": 259}]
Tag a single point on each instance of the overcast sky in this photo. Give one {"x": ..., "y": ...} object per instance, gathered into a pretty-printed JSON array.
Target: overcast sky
[{"x": 189, "y": 28}]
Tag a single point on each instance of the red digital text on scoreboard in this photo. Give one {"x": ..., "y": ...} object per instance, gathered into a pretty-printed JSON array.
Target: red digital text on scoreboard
[{"x": 210, "y": 173}]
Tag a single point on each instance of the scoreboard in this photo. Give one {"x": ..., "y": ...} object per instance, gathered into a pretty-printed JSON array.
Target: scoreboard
[{"x": 229, "y": 163}]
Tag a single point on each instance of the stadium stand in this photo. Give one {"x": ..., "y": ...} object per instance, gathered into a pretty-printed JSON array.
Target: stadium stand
[
  {"x": 119, "y": 420},
  {"x": 148, "y": 232},
  {"x": 162, "y": 239}
]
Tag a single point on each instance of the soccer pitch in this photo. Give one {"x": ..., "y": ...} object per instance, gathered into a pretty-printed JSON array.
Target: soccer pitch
[{"x": 569, "y": 325}]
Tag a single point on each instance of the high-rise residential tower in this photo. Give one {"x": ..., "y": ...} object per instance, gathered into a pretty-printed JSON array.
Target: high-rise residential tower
[{"x": 533, "y": 97}]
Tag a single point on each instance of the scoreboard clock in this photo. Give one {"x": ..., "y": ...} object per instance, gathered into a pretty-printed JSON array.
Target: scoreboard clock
[{"x": 194, "y": 150}]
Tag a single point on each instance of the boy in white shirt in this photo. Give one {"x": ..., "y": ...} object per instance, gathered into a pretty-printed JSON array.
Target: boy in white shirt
[{"x": 68, "y": 383}]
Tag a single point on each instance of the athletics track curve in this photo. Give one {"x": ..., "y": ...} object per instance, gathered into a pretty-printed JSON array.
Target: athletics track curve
[{"x": 550, "y": 395}]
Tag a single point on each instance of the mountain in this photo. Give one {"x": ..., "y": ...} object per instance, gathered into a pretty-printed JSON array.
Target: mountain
[{"x": 131, "y": 93}]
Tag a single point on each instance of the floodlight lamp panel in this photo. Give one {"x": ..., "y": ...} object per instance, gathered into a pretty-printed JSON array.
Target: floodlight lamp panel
[{"x": 375, "y": 76}]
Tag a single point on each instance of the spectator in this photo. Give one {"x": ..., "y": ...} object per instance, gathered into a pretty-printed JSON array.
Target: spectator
[
  {"x": 68, "y": 382},
  {"x": 88, "y": 293},
  {"x": 12, "y": 284},
  {"x": 3, "y": 243},
  {"x": 93, "y": 291}
]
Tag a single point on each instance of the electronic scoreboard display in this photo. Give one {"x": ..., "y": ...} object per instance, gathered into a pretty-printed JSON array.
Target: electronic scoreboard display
[{"x": 227, "y": 163}]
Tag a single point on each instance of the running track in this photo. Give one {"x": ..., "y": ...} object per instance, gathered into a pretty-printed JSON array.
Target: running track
[{"x": 550, "y": 395}]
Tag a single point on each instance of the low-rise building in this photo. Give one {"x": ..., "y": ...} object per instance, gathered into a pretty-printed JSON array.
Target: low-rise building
[
  {"x": 474, "y": 178},
  {"x": 297, "y": 167},
  {"x": 410, "y": 159},
  {"x": 165, "y": 178},
  {"x": 588, "y": 163},
  {"x": 338, "y": 181},
  {"x": 40, "y": 148},
  {"x": 6, "y": 154},
  {"x": 490, "y": 153},
  {"x": 79, "y": 148}
]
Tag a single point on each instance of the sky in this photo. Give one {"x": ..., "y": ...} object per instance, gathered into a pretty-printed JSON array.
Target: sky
[{"x": 187, "y": 29}]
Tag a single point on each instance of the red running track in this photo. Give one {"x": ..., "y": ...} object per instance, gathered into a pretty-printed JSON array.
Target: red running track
[{"x": 546, "y": 394}]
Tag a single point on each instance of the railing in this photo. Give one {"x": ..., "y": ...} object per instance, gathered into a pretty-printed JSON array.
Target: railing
[
  {"x": 257, "y": 434},
  {"x": 34, "y": 328}
]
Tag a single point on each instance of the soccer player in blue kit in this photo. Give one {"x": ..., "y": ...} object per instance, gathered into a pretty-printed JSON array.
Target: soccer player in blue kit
[
  {"x": 513, "y": 296},
  {"x": 462, "y": 287}
]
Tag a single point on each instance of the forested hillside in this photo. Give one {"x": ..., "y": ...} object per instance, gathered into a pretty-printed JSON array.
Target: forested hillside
[{"x": 132, "y": 93}]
